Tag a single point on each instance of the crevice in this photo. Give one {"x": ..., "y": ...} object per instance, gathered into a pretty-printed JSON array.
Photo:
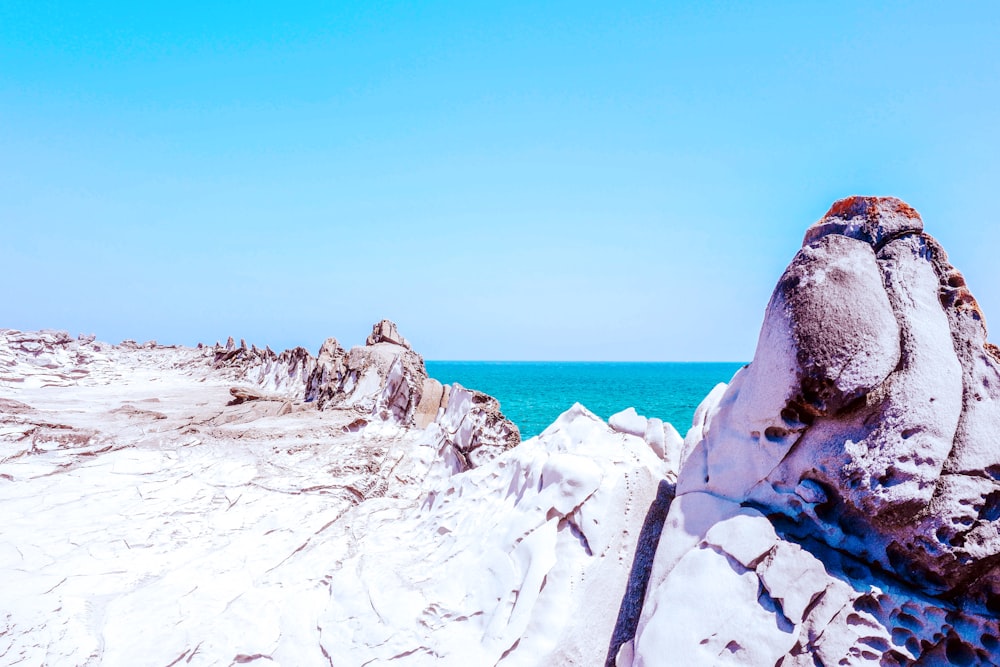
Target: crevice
[
  {"x": 642, "y": 565},
  {"x": 179, "y": 658},
  {"x": 510, "y": 650},
  {"x": 877, "y": 247},
  {"x": 578, "y": 533}
]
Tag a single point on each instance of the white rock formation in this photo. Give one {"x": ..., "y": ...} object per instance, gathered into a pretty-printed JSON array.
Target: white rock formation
[
  {"x": 522, "y": 562},
  {"x": 661, "y": 436},
  {"x": 838, "y": 502},
  {"x": 287, "y": 373},
  {"x": 155, "y": 514}
]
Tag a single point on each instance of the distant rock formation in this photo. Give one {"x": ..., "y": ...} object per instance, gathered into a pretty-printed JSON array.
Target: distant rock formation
[
  {"x": 838, "y": 503},
  {"x": 329, "y": 369},
  {"x": 386, "y": 332},
  {"x": 381, "y": 381},
  {"x": 383, "y": 378},
  {"x": 286, "y": 373},
  {"x": 42, "y": 357}
]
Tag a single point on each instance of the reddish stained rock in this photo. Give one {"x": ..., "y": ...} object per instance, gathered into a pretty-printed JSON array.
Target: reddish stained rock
[{"x": 874, "y": 220}]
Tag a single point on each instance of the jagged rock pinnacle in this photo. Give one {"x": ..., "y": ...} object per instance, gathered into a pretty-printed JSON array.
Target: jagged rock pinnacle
[{"x": 386, "y": 332}]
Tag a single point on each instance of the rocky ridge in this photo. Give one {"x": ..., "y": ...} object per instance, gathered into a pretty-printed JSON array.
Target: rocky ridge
[{"x": 244, "y": 524}]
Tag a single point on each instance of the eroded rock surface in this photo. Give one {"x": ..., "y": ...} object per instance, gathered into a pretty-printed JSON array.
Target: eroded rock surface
[
  {"x": 382, "y": 379},
  {"x": 520, "y": 562},
  {"x": 838, "y": 502},
  {"x": 285, "y": 373},
  {"x": 156, "y": 514},
  {"x": 473, "y": 428}
]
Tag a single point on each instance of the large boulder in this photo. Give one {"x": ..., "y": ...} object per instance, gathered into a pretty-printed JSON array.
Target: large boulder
[{"x": 840, "y": 498}]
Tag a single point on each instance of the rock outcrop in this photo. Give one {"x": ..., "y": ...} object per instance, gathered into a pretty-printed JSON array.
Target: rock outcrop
[
  {"x": 50, "y": 358},
  {"x": 838, "y": 502},
  {"x": 470, "y": 429},
  {"x": 286, "y": 373},
  {"x": 382, "y": 378},
  {"x": 386, "y": 332},
  {"x": 329, "y": 370},
  {"x": 520, "y": 562},
  {"x": 167, "y": 517},
  {"x": 383, "y": 381}
]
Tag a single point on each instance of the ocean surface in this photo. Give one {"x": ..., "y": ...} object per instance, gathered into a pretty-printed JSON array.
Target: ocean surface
[{"x": 533, "y": 393}]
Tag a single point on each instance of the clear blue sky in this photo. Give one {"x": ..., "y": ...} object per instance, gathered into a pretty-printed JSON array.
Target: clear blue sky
[{"x": 591, "y": 181}]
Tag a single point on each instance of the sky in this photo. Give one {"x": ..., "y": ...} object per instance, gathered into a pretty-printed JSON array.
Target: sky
[{"x": 504, "y": 180}]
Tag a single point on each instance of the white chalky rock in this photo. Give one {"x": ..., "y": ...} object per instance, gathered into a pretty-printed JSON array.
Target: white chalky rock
[
  {"x": 628, "y": 421},
  {"x": 150, "y": 519},
  {"x": 523, "y": 562}
]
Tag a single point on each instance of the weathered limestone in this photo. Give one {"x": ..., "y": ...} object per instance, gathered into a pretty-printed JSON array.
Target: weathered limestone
[
  {"x": 662, "y": 437},
  {"x": 472, "y": 430},
  {"x": 384, "y": 380},
  {"x": 523, "y": 561}
]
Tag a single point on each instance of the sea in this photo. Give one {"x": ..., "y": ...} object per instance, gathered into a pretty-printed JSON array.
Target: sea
[{"x": 533, "y": 394}]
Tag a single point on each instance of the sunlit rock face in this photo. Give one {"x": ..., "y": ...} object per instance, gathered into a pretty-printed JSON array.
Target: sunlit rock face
[
  {"x": 177, "y": 506},
  {"x": 838, "y": 502},
  {"x": 524, "y": 561}
]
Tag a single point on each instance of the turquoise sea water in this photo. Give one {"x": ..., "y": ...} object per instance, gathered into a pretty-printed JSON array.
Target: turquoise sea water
[{"x": 532, "y": 394}]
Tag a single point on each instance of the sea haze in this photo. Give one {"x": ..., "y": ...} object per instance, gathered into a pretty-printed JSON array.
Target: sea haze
[{"x": 533, "y": 393}]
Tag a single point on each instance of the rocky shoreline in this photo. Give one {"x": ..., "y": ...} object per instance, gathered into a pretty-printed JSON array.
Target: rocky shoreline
[{"x": 838, "y": 502}]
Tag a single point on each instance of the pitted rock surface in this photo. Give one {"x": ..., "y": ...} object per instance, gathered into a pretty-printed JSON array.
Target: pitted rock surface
[{"x": 841, "y": 497}]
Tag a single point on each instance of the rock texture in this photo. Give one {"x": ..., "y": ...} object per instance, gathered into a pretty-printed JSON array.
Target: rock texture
[
  {"x": 664, "y": 439},
  {"x": 521, "y": 562},
  {"x": 154, "y": 514},
  {"x": 471, "y": 428},
  {"x": 838, "y": 502},
  {"x": 51, "y": 359}
]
